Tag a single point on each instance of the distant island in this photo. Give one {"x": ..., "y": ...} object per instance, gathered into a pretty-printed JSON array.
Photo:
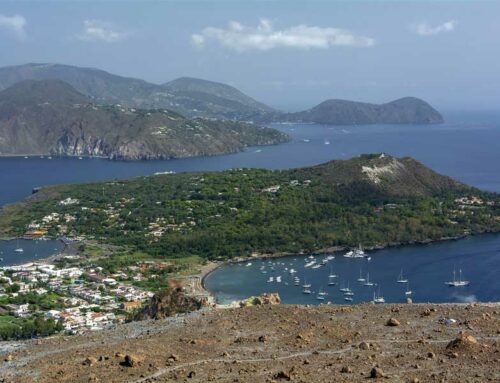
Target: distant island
[
  {"x": 372, "y": 200},
  {"x": 192, "y": 97},
  {"x": 408, "y": 110},
  {"x": 50, "y": 117}
]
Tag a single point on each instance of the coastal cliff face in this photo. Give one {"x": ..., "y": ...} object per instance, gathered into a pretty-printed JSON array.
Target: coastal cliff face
[{"x": 50, "y": 117}]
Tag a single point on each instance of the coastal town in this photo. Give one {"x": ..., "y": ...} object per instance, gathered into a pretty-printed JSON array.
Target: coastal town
[{"x": 79, "y": 298}]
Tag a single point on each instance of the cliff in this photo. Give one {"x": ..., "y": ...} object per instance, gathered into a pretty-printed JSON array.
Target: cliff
[{"x": 51, "y": 117}]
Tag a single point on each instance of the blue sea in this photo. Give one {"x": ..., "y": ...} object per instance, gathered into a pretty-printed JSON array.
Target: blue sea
[{"x": 466, "y": 147}]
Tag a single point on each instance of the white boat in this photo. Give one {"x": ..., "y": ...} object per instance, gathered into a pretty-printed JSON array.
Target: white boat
[
  {"x": 377, "y": 298},
  {"x": 18, "y": 249},
  {"x": 278, "y": 279},
  {"x": 306, "y": 285},
  {"x": 402, "y": 279},
  {"x": 348, "y": 294},
  {"x": 327, "y": 142},
  {"x": 345, "y": 289},
  {"x": 306, "y": 291},
  {"x": 270, "y": 280},
  {"x": 331, "y": 282},
  {"x": 309, "y": 264},
  {"x": 349, "y": 254},
  {"x": 316, "y": 267},
  {"x": 348, "y": 299},
  {"x": 359, "y": 253},
  {"x": 367, "y": 282},
  {"x": 332, "y": 275},
  {"x": 361, "y": 279},
  {"x": 249, "y": 264},
  {"x": 459, "y": 282},
  {"x": 408, "y": 291}
]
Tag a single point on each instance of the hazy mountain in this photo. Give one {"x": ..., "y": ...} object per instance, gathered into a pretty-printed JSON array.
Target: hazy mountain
[
  {"x": 188, "y": 96},
  {"x": 51, "y": 117},
  {"x": 408, "y": 110},
  {"x": 197, "y": 95},
  {"x": 193, "y": 97}
]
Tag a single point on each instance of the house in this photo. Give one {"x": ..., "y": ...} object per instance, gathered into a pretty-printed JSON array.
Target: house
[{"x": 130, "y": 306}]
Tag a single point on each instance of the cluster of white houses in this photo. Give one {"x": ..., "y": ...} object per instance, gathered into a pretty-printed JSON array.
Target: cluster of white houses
[{"x": 88, "y": 300}]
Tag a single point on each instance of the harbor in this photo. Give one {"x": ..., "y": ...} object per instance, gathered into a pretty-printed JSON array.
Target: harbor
[{"x": 422, "y": 273}]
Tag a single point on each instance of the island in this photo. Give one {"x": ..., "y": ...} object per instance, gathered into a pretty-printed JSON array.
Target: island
[
  {"x": 141, "y": 247},
  {"x": 195, "y": 98},
  {"x": 49, "y": 117}
]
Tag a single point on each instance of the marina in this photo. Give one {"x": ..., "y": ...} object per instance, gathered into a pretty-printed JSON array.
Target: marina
[{"x": 426, "y": 267}]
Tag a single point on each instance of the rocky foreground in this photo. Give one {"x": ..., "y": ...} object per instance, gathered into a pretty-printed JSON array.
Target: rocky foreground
[{"x": 394, "y": 343}]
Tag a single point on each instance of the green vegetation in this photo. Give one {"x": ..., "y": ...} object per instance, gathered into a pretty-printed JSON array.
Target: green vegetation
[
  {"x": 18, "y": 328},
  {"x": 371, "y": 200}
]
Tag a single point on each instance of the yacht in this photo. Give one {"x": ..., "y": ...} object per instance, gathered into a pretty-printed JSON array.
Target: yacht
[
  {"x": 349, "y": 254},
  {"x": 377, "y": 298},
  {"x": 331, "y": 282},
  {"x": 402, "y": 279},
  {"x": 316, "y": 267},
  {"x": 348, "y": 299},
  {"x": 332, "y": 275},
  {"x": 249, "y": 264},
  {"x": 278, "y": 279},
  {"x": 306, "y": 291},
  {"x": 408, "y": 291},
  {"x": 367, "y": 282},
  {"x": 345, "y": 289},
  {"x": 459, "y": 282},
  {"x": 18, "y": 249},
  {"x": 359, "y": 253},
  {"x": 361, "y": 279},
  {"x": 309, "y": 264},
  {"x": 306, "y": 285},
  {"x": 270, "y": 280},
  {"x": 321, "y": 295}
]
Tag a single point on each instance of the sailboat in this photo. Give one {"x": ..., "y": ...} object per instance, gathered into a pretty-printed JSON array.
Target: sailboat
[
  {"x": 377, "y": 298},
  {"x": 18, "y": 248},
  {"x": 402, "y": 279},
  {"x": 331, "y": 274},
  {"x": 359, "y": 253},
  {"x": 361, "y": 279},
  {"x": 306, "y": 291},
  {"x": 321, "y": 295},
  {"x": 408, "y": 291},
  {"x": 345, "y": 289},
  {"x": 306, "y": 285},
  {"x": 459, "y": 282},
  {"x": 368, "y": 283},
  {"x": 331, "y": 281}
]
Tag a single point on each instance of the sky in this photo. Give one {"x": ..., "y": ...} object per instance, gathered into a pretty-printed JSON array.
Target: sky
[{"x": 288, "y": 54}]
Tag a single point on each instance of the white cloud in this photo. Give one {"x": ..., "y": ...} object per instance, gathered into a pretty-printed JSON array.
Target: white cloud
[
  {"x": 96, "y": 30},
  {"x": 424, "y": 29},
  {"x": 264, "y": 37},
  {"x": 14, "y": 24}
]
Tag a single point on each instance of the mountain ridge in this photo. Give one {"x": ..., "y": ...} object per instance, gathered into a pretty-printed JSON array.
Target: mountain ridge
[
  {"x": 51, "y": 117},
  {"x": 194, "y": 97}
]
